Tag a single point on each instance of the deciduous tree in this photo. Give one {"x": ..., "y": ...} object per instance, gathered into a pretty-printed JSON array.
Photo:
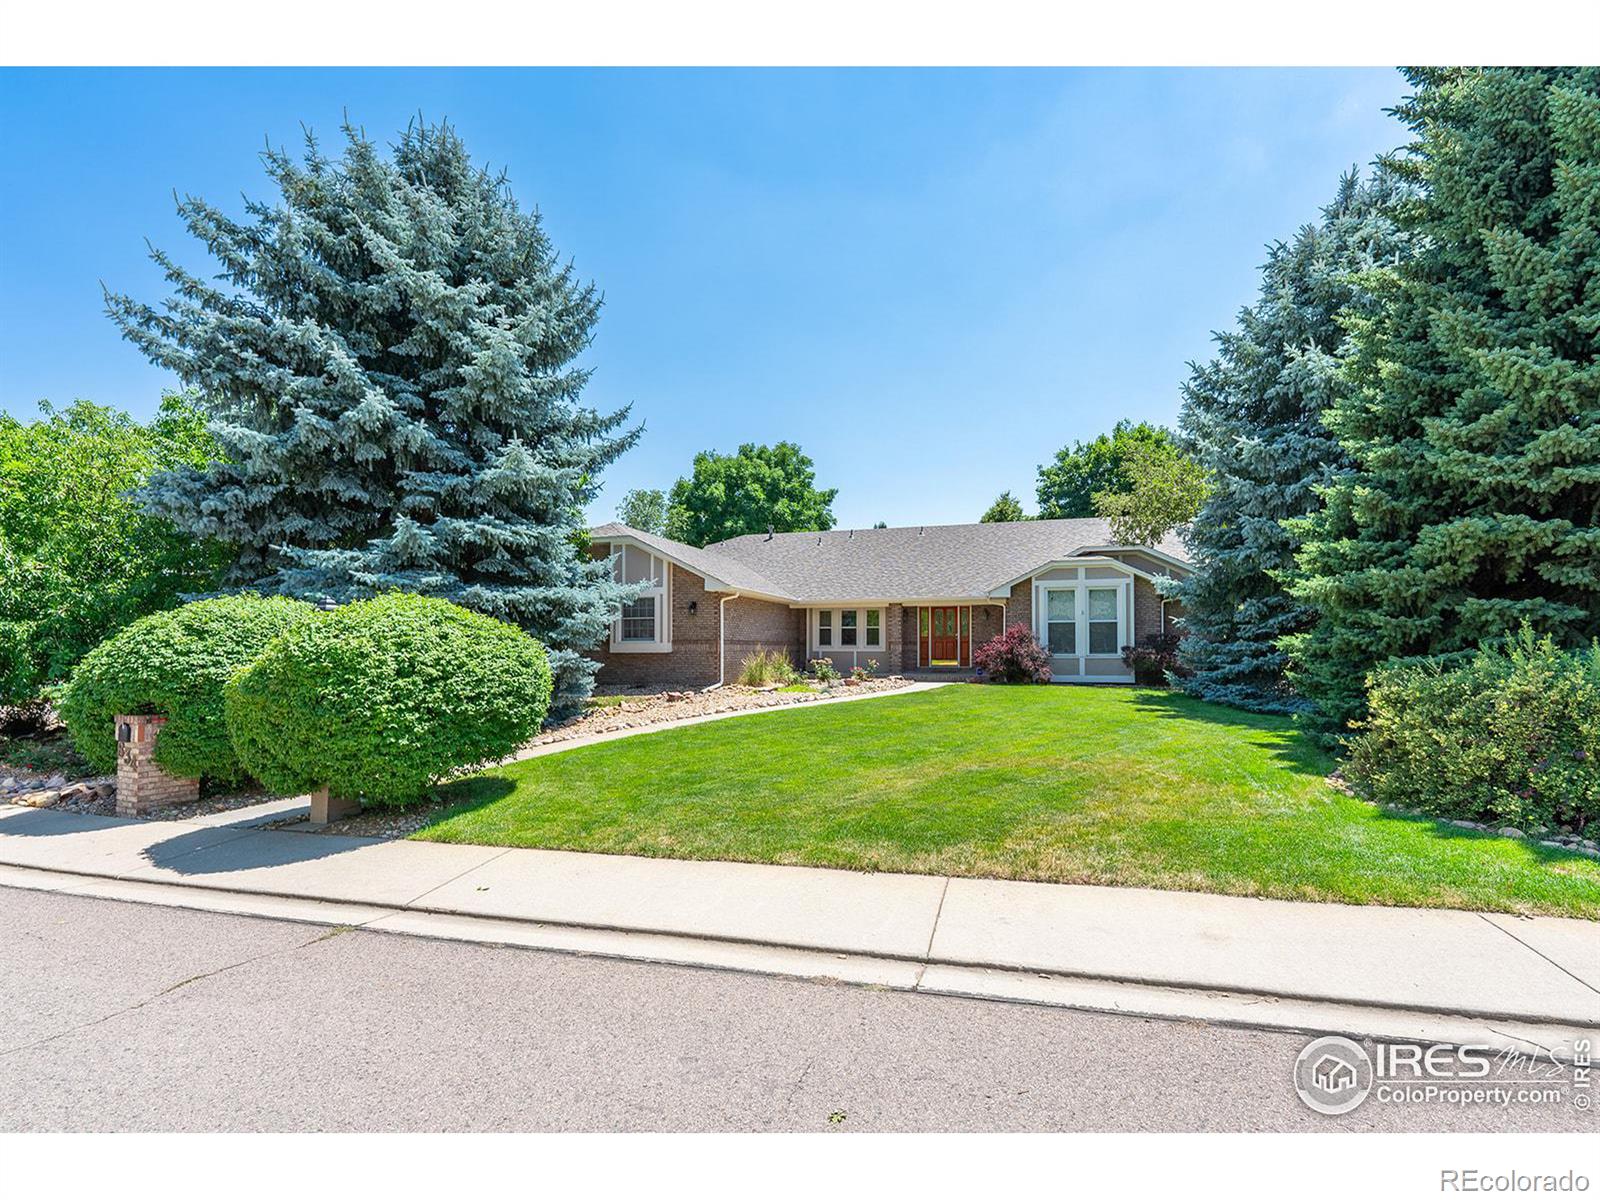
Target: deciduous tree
[
  {"x": 78, "y": 558},
  {"x": 747, "y": 492},
  {"x": 1068, "y": 484}
]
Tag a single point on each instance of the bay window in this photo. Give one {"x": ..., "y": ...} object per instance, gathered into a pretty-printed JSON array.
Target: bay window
[{"x": 1084, "y": 618}]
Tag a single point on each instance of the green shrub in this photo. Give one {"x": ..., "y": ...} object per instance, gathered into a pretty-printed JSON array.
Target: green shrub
[
  {"x": 175, "y": 663},
  {"x": 1511, "y": 736},
  {"x": 79, "y": 557},
  {"x": 380, "y": 698},
  {"x": 823, "y": 670},
  {"x": 766, "y": 666}
]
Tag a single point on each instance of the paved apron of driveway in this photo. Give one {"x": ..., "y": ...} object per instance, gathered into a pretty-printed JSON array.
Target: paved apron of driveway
[{"x": 1543, "y": 969}]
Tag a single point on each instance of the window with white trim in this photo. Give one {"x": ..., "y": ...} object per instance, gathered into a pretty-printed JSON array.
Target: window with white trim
[
  {"x": 642, "y": 623},
  {"x": 848, "y": 629},
  {"x": 1061, "y": 620},
  {"x": 1102, "y": 619},
  {"x": 1084, "y": 617}
]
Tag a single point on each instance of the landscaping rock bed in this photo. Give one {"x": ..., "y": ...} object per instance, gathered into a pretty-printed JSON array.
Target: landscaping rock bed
[
  {"x": 37, "y": 790},
  {"x": 97, "y": 796}
]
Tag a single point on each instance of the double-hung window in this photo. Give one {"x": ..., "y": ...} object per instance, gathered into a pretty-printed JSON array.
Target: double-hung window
[
  {"x": 1084, "y": 617},
  {"x": 1102, "y": 619},
  {"x": 643, "y": 623},
  {"x": 1061, "y": 618}
]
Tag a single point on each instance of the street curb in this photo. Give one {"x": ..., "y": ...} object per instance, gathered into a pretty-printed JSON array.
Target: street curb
[{"x": 1127, "y": 996}]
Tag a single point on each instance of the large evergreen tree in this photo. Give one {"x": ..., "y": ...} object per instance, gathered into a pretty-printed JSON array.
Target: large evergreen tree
[
  {"x": 1252, "y": 416},
  {"x": 389, "y": 363},
  {"x": 1473, "y": 416}
]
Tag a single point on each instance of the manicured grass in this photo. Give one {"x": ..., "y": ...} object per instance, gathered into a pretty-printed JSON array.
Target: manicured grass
[{"x": 1077, "y": 785}]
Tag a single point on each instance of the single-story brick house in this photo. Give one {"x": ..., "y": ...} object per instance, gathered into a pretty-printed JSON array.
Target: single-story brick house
[{"x": 914, "y": 599}]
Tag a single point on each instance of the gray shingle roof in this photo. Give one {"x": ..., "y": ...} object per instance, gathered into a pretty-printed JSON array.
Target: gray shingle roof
[
  {"x": 931, "y": 562},
  {"x": 707, "y": 562}
]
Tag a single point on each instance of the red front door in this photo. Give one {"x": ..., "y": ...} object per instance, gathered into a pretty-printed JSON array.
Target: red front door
[{"x": 946, "y": 635}]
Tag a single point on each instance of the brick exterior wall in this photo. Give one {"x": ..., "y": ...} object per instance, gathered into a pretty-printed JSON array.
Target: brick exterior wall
[
  {"x": 909, "y": 633},
  {"x": 693, "y": 662},
  {"x": 762, "y": 625},
  {"x": 1019, "y": 609},
  {"x": 141, "y": 784},
  {"x": 1147, "y": 610},
  {"x": 986, "y": 623}
]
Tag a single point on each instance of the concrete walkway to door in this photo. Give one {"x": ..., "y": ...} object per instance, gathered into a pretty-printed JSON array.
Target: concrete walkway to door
[{"x": 1371, "y": 971}]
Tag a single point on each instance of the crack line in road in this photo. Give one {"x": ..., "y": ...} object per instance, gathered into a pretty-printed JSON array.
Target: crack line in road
[{"x": 170, "y": 988}]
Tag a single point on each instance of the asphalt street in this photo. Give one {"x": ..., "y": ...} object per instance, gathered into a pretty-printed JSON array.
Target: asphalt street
[{"x": 123, "y": 1016}]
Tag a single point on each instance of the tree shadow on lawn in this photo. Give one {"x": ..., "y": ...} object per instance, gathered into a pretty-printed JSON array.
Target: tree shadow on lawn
[
  {"x": 1288, "y": 746},
  {"x": 468, "y": 795},
  {"x": 1442, "y": 829}
]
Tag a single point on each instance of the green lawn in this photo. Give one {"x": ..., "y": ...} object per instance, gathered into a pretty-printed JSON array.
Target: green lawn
[{"x": 1075, "y": 785}]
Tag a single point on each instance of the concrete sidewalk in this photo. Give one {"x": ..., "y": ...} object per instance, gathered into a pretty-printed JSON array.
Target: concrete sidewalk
[{"x": 1370, "y": 971}]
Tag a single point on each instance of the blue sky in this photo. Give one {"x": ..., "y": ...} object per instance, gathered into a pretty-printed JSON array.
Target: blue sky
[{"x": 929, "y": 279}]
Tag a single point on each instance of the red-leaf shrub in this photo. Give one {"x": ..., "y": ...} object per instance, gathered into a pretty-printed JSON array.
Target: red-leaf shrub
[
  {"x": 1154, "y": 658},
  {"x": 1014, "y": 656}
]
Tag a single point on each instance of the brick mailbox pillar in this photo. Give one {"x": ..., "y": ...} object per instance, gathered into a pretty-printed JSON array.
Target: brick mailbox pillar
[{"x": 141, "y": 784}]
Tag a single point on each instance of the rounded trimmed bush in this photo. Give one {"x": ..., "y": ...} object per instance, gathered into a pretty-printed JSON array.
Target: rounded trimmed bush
[
  {"x": 378, "y": 699},
  {"x": 175, "y": 663}
]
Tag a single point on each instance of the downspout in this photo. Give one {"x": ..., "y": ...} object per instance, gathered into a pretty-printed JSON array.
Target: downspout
[{"x": 722, "y": 646}]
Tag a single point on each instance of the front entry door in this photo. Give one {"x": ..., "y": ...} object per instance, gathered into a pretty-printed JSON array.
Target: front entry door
[{"x": 946, "y": 636}]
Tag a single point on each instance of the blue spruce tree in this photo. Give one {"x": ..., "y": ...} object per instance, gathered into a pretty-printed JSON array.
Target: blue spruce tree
[
  {"x": 1472, "y": 415},
  {"x": 388, "y": 358},
  {"x": 1252, "y": 416}
]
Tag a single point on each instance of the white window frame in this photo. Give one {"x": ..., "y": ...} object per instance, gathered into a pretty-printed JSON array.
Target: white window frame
[
  {"x": 661, "y": 593},
  {"x": 837, "y": 624},
  {"x": 1080, "y": 586}
]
